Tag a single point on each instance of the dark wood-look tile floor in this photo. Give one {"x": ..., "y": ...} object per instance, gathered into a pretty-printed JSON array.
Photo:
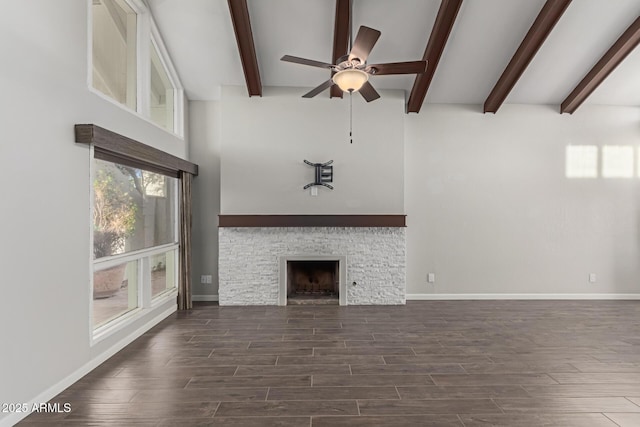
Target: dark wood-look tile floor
[{"x": 437, "y": 363}]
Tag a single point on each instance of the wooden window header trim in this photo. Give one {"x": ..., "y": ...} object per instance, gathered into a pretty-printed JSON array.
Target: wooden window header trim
[{"x": 118, "y": 148}]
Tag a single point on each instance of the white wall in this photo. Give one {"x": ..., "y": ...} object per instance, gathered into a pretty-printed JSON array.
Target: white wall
[
  {"x": 489, "y": 208},
  {"x": 45, "y": 224},
  {"x": 491, "y": 211},
  {"x": 258, "y": 144},
  {"x": 204, "y": 149},
  {"x": 264, "y": 142}
]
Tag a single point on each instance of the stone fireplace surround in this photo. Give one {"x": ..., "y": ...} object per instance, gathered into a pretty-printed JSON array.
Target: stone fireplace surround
[{"x": 252, "y": 259}]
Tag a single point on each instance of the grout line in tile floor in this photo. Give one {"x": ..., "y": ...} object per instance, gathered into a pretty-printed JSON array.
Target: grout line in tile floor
[
  {"x": 476, "y": 335},
  {"x": 216, "y": 410}
]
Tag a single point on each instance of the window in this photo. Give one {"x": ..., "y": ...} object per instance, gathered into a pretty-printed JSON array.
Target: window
[
  {"x": 162, "y": 92},
  {"x": 114, "y": 51},
  {"x": 135, "y": 239},
  {"x": 163, "y": 273},
  {"x": 136, "y": 261},
  {"x": 130, "y": 64},
  {"x": 115, "y": 290}
]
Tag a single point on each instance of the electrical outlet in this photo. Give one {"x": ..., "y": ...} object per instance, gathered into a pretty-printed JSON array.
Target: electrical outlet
[
  {"x": 592, "y": 278},
  {"x": 431, "y": 278},
  {"x": 206, "y": 279}
]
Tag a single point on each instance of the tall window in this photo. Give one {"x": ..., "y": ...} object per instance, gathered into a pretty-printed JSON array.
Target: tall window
[
  {"x": 135, "y": 239},
  {"x": 131, "y": 65},
  {"x": 114, "y": 51}
]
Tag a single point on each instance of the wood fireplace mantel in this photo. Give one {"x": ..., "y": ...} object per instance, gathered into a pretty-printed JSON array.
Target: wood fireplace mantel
[{"x": 312, "y": 221}]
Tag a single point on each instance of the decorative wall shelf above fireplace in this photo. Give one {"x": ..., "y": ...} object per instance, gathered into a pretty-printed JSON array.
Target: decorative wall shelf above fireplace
[{"x": 312, "y": 221}]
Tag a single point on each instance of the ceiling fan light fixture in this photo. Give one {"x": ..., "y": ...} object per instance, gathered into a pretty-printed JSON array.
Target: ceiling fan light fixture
[{"x": 350, "y": 80}]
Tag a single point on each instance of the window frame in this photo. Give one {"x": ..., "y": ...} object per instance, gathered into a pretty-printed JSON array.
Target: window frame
[
  {"x": 178, "y": 92},
  {"x": 145, "y": 300},
  {"x": 114, "y": 147},
  {"x": 147, "y": 33},
  {"x": 175, "y": 253}
]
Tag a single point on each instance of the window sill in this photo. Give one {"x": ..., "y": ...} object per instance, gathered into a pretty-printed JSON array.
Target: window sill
[
  {"x": 133, "y": 112},
  {"x": 163, "y": 297},
  {"x": 103, "y": 332}
]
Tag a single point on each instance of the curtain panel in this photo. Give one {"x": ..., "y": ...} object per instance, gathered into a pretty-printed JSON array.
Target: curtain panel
[{"x": 184, "y": 284}]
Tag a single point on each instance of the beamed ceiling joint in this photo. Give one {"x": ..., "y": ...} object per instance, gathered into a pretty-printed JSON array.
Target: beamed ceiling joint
[
  {"x": 435, "y": 46},
  {"x": 244, "y": 36},
  {"x": 625, "y": 44},
  {"x": 536, "y": 36}
]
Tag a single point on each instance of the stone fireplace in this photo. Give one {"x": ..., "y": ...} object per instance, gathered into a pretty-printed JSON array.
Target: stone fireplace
[{"x": 272, "y": 265}]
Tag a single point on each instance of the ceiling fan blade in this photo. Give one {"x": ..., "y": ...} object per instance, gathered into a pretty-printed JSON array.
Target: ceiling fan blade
[
  {"x": 411, "y": 67},
  {"x": 368, "y": 92},
  {"x": 303, "y": 61},
  {"x": 364, "y": 42},
  {"x": 317, "y": 90}
]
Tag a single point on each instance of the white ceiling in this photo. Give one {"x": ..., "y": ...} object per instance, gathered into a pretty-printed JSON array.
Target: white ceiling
[{"x": 199, "y": 37}]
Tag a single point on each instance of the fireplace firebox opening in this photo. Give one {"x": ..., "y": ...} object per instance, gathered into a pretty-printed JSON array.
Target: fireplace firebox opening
[{"x": 313, "y": 282}]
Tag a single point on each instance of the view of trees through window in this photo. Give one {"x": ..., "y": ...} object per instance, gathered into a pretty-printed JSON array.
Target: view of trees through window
[{"x": 134, "y": 214}]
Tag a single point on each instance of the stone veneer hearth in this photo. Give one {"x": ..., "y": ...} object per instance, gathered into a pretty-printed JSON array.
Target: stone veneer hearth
[{"x": 249, "y": 261}]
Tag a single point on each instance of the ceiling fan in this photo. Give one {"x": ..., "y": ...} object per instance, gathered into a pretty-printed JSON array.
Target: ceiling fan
[{"x": 352, "y": 71}]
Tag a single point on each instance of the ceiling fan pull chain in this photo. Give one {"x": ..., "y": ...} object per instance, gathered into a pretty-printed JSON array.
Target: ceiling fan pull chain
[{"x": 351, "y": 117}]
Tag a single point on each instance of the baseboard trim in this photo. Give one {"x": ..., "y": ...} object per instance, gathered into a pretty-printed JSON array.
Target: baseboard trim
[
  {"x": 427, "y": 297},
  {"x": 204, "y": 297},
  {"x": 57, "y": 388}
]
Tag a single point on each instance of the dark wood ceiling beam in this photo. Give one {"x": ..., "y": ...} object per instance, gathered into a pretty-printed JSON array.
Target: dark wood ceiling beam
[
  {"x": 244, "y": 37},
  {"x": 614, "y": 56},
  {"x": 541, "y": 28},
  {"x": 340, "y": 38},
  {"x": 435, "y": 46}
]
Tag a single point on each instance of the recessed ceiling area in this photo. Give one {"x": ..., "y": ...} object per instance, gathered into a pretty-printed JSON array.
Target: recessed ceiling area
[{"x": 200, "y": 38}]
